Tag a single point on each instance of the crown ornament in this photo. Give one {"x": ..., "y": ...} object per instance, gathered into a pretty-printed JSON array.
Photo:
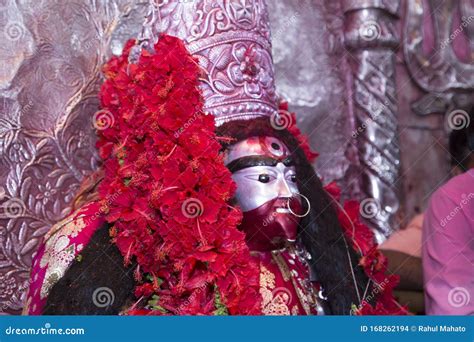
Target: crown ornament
[{"x": 231, "y": 41}]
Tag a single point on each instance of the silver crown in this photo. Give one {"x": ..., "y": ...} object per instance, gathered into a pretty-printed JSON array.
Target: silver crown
[{"x": 231, "y": 40}]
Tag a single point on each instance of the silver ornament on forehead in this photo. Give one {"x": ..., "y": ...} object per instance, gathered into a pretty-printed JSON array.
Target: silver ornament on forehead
[
  {"x": 257, "y": 146},
  {"x": 276, "y": 147}
]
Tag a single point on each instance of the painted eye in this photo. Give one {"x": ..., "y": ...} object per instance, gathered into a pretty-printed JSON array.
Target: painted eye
[{"x": 261, "y": 177}]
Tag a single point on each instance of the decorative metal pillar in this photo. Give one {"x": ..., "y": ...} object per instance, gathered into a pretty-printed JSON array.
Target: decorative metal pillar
[
  {"x": 447, "y": 80},
  {"x": 371, "y": 40}
]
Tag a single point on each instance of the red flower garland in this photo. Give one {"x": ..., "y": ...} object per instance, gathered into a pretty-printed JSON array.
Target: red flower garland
[
  {"x": 172, "y": 214},
  {"x": 161, "y": 155},
  {"x": 372, "y": 260}
]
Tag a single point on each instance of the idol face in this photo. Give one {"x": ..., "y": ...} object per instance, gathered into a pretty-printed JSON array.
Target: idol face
[
  {"x": 257, "y": 185},
  {"x": 266, "y": 191}
]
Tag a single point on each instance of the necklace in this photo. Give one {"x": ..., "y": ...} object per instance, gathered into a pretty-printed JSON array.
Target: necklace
[{"x": 304, "y": 288}]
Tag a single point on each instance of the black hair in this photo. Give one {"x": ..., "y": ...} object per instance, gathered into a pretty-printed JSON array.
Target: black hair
[
  {"x": 95, "y": 278},
  {"x": 101, "y": 264},
  {"x": 320, "y": 231}
]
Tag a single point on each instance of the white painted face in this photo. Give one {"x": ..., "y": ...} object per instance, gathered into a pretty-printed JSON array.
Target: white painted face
[
  {"x": 259, "y": 184},
  {"x": 262, "y": 171}
]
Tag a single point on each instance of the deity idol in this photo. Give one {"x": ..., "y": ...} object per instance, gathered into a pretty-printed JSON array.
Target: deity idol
[{"x": 206, "y": 202}]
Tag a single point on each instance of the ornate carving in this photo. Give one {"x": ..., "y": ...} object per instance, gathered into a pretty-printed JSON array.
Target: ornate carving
[
  {"x": 448, "y": 80},
  {"x": 311, "y": 72},
  {"x": 231, "y": 40},
  {"x": 48, "y": 91},
  {"x": 370, "y": 35},
  {"x": 47, "y": 112}
]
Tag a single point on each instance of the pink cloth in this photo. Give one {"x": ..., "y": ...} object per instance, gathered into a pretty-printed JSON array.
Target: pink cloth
[
  {"x": 407, "y": 240},
  {"x": 60, "y": 246},
  {"x": 448, "y": 248}
]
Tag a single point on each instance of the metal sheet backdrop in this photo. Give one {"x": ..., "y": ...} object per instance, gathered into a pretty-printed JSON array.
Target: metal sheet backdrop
[{"x": 335, "y": 63}]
